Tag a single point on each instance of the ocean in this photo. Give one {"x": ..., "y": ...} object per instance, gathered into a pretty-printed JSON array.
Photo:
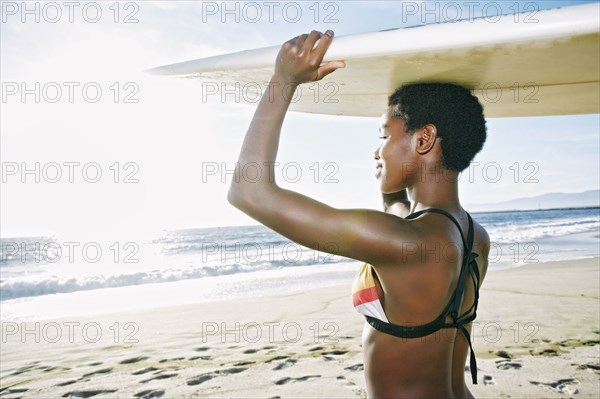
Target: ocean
[{"x": 50, "y": 277}]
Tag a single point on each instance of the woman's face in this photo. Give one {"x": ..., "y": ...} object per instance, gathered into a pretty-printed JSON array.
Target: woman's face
[{"x": 395, "y": 158}]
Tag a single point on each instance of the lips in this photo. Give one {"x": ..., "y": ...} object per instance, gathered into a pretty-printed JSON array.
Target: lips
[{"x": 379, "y": 168}]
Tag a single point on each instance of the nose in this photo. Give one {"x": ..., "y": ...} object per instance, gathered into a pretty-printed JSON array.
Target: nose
[{"x": 376, "y": 154}]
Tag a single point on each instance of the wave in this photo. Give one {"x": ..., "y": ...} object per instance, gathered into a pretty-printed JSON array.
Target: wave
[
  {"x": 506, "y": 232},
  {"x": 19, "y": 287}
]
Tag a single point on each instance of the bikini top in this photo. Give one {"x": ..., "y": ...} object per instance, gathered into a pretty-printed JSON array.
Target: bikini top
[{"x": 365, "y": 297}]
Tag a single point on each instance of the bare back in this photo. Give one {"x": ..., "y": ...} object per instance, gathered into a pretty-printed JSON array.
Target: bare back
[{"x": 414, "y": 293}]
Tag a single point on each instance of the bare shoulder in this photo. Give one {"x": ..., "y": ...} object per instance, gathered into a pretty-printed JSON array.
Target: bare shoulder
[
  {"x": 481, "y": 246},
  {"x": 482, "y": 238}
]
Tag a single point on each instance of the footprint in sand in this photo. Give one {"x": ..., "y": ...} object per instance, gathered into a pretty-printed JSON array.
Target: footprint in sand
[
  {"x": 587, "y": 366},
  {"x": 160, "y": 377},
  {"x": 346, "y": 382},
  {"x": 287, "y": 380},
  {"x": 561, "y": 386},
  {"x": 244, "y": 363},
  {"x": 8, "y": 391},
  {"x": 503, "y": 354},
  {"x": 202, "y": 349},
  {"x": 199, "y": 358},
  {"x": 150, "y": 394},
  {"x": 249, "y": 351},
  {"x": 174, "y": 359},
  {"x": 64, "y": 384},
  {"x": 199, "y": 379},
  {"x": 276, "y": 358},
  {"x": 543, "y": 352},
  {"x": 22, "y": 370},
  {"x": 134, "y": 360},
  {"x": 578, "y": 342},
  {"x": 144, "y": 371},
  {"x": 87, "y": 394},
  {"x": 355, "y": 367},
  {"x": 335, "y": 352},
  {"x": 47, "y": 369},
  {"x": 316, "y": 348},
  {"x": 232, "y": 370},
  {"x": 488, "y": 380},
  {"x": 286, "y": 364},
  {"x": 101, "y": 371},
  {"x": 506, "y": 364}
]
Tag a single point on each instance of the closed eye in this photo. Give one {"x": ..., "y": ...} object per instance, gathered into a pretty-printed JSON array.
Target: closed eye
[{"x": 383, "y": 137}]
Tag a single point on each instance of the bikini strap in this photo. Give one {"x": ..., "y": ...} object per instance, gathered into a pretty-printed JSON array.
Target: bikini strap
[
  {"x": 443, "y": 212},
  {"x": 469, "y": 265}
]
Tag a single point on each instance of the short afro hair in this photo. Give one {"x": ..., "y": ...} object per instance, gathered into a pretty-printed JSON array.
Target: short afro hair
[{"x": 455, "y": 112}]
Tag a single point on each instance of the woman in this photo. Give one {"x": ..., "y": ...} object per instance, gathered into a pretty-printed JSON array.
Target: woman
[{"x": 420, "y": 295}]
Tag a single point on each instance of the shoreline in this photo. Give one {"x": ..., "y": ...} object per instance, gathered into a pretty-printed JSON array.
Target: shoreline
[
  {"x": 569, "y": 208},
  {"x": 282, "y": 280},
  {"x": 537, "y": 336},
  {"x": 191, "y": 292}
]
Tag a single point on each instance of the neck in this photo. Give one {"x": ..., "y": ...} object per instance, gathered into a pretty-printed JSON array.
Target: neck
[{"x": 436, "y": 189}]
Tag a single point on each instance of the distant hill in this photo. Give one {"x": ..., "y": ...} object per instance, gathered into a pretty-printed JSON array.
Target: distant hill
[{"x": 544, "y": 201}]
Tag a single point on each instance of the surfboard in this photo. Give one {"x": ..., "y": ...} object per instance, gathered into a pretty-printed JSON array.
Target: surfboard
[{"x": 547, "y": 65}]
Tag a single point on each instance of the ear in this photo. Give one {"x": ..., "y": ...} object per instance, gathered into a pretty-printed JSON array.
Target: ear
[{"x": 426, "y": 137}]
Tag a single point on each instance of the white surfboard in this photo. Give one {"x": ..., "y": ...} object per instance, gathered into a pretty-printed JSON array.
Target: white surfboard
[{"x": 547, "y": 65}]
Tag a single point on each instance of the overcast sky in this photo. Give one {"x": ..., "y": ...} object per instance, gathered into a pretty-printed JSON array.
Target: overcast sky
[{"x": 162, "y": 151}]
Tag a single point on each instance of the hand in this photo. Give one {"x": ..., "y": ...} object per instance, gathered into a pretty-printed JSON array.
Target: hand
[{"x": 298, "y": 62}]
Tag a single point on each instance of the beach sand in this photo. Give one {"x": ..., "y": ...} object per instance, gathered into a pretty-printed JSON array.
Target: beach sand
[{"x": 537, "y": 337}]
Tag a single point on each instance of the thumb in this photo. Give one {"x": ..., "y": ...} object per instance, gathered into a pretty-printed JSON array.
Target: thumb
[{"x": 328, "y": 68}]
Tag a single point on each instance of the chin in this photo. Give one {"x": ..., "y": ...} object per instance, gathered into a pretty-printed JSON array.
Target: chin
[
  {"x": 387, "y": 186},
  {"x": 387, "y": 189}
]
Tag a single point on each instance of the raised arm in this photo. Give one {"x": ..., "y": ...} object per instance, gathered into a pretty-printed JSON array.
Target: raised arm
[{"x": 366, "y": 235}]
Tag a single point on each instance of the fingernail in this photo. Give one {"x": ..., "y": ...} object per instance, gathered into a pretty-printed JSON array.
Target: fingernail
[{"x": 329, "y": 32}]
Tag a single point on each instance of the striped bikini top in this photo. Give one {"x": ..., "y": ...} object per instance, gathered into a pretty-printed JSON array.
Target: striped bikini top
[{"x": 365, "y": 297}]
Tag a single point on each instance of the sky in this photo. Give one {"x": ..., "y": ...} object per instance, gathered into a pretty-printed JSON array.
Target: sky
[{"x": 89, "y": 142}]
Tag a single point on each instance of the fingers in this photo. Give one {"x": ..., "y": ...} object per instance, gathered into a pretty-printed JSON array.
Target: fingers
[
  {"x": 323, "y": 45},
  {"x": 297, "y": 41},
  {"x": 295, "y": 38},
  {"x": 309, "y": 44},
  {"x": 329, "y": 68},
  {"x": 319, "y": 52},
  {"x": 305, "y": 50},
  {"x": 301, "y": 40},
  {"x": 306, "y": 42}
]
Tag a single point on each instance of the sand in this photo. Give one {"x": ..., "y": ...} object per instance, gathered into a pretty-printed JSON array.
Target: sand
[{"x": 537, "y": 337}]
